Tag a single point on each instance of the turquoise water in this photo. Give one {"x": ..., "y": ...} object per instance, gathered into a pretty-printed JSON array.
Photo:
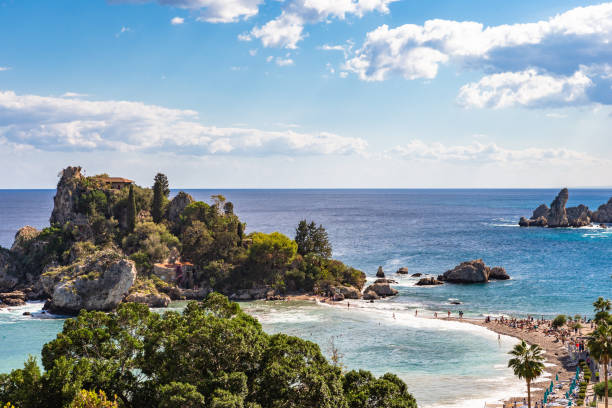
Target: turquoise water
[{"x": 429, "y": 231}]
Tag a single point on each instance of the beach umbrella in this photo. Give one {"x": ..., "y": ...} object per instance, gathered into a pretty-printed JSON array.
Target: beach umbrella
[{"x": 557, "y": 378}]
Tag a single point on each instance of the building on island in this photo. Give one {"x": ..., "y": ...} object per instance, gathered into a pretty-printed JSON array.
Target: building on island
[
  {"x": 175, "y": 272},
  {"x": 116, "y": 183}
]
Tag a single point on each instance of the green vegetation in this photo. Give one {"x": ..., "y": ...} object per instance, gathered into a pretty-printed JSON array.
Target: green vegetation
[
  {"x": 527, "y": 363},
  {"x": 311, "y": 239},
  {"x": 600, "y": 348},
  {"x": 131, "y": 223},
  {"x": 559, "y": 321},
  {"x": 210, "y": 355},
  {"x": 161, "y": 191}
]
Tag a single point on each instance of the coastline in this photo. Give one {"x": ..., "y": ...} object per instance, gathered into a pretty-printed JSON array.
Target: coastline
[{"x": 558, "y": 361}]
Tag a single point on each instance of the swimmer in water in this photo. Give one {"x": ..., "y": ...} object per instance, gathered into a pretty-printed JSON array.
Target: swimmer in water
[{"x": 394, "y": 315}]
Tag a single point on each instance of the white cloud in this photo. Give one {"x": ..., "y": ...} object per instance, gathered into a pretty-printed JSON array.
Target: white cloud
[
  {"x": 4, "y": 68},
  {"x": 67, "y": 124},
  {"x": 526, "y": 88},
  {"x": 283, "y": 62},
  {"x": 177, "y": 21},
  {"x": 253, "y": 52},
  {"x": 479, "y": 153},
  {"x": 123, "y": 31},
  {"x": 73, "y": 95},
  {"x": 568, "y": 45},
  {"x": 288, "y": 29},
  {"x": 212, "y": 11}
]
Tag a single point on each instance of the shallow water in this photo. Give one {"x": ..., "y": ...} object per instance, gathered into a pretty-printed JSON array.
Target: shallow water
[{"x": 429, "y": 231}]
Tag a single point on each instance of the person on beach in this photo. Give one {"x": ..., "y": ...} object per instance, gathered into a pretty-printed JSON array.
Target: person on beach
[
  {"x": 394, "y": 315},
  {"x": 448, "y": 312},
  {"x": 436, "y": 315},
  {"x": 416, "y": 312},
  {"x": 348, "y": 305}
]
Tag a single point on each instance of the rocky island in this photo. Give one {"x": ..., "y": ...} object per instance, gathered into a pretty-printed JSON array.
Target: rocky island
[
  {"x": 111, "y": 241},
  {"x": 558, "y": 216}
]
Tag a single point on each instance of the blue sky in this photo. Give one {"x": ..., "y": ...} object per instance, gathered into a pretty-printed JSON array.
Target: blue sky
[{"x": 308, "y": 93}]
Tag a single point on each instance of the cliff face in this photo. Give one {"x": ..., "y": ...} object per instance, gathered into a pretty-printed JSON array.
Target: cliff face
[
  {"x": 66, "y": 197},
  {"x": 603, "y": 213}
]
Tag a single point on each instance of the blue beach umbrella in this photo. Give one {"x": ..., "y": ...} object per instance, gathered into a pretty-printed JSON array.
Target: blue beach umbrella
[{"x": 557, "y": 377}]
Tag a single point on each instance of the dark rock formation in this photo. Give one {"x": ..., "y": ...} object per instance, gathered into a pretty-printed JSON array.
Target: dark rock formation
[
  {"x": 403, "y": 271},
  {"x": 348, "y": 292},
  {"x": 431, "y": 281},
  {"x": 385, "y": 280},
  {"x": 416, "y": 275},
  {"x": 8, "y": 271},
  {"x": 474, "y": 271},
  {"x": 380, "y": 273},
  {"x": 558, "y": 216},
  {"x": 498, "y": 273},
  {"x": 603, "y": 213}
]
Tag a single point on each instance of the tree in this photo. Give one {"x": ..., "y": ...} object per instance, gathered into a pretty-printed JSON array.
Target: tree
[
  {"x": 600, "y": 347},
  {"x": 92, "y": 399},
  {"x": 131, "y": 216},
  {"x": 602, "y": 309},
  {"x": 527, "y": 364},
  {"x": 363, "y": 390},
  {"x": 559, "y": 321},
  {"x": 161, "y": 191},
  {"x": 312, "y": 240}
]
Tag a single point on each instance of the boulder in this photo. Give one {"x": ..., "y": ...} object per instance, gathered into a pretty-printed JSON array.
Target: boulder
[
  {"x": 467, "y": 272},
  {"x": 380, "y": 273},
  {"x": 498, "y": 273},
  {"x": 177, "y": 206},
  {"x": 98, "y": 283},
  {"x": 541, "y": 211},
  {"x": 348, "y": 292},
  {"x": 604, "y": 226},
  {"x": 370, "y": 295},
  {"x": 539, "y": 222},
  {"x": 338, "y": 297},
  {"x": 150, "y": 299},
  {"x": 403, "y": 271},
  {"x": 385, "y": 280},
  {"x": 381, "y": 289},
  {"x": 416, "y": 275},
  {"x": 431, "y": 281},
  {"x": 16, "y": 298},
  {"x": 603, "y": 213}
]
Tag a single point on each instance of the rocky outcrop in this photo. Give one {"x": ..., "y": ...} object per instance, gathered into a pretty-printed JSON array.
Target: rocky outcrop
[
  {"x": 150, "y": 299},
  {"x": 558, "y": 216},
  {"x": 402, "y": 271},
  {"x": 416, "y": 275},
  {"x": 603, "y": 213},
  {"x": 177, "y": 206},
  {"x": 380, "y": 273},
  {"x": 370, "y": 295},
  {"x": 348, "y": 292},
  {"x": 23, "y": 238},
  {"x": 66, "y": 196},
  {"x": 8, "y": 271},
  {"x": 431, "y": 281},
  {"x": 252, "y": 294},
  {"x": 382, "y": 289},
  {"x": 474, "y": 271},
  {"x": 498, "y": 273},
  {"x": 16, "y": 298},
  {"x": 98, "y": 283}
]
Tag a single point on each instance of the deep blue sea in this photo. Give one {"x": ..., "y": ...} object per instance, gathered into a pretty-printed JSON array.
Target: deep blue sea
[{"x": 429, "y": 231}]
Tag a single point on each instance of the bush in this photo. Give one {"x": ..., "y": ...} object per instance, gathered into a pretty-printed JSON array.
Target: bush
[
  {"x": 92, "y": 399},
  {"x": 599, "y": 388},
  {"x": 559, "y": 321}
]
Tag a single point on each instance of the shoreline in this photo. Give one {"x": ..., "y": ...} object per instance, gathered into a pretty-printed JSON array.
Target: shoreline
[{"x": 558, "y": 361}]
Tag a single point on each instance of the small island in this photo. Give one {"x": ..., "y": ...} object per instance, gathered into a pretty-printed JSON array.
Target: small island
[
  {"x": 112, "y": 241},
  {"x": 557, "y": 216}
]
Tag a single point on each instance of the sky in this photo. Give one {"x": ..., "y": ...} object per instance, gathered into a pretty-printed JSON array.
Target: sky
[{"x": 308, "y": 93}]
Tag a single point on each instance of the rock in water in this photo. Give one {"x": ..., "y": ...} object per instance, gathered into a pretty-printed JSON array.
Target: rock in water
[
  {"x": 348, "y": 292},
  {"x": 579, "y": 216},
  {"x": 370, "y": 295},
  {"x": 380, "y": 273},
  {"x": 541, "y": 211},
  {"x": 603, "y": 213},
  {"x": 402, "y": 271},
  {"x": 381, "y": 289},
  {"x": 498, "y": 273},
  {"x": 557, "y": 216},
  {"x": 100, "y": 283},
  {"x": 16, "y": 298},
  {"x": 431, "y": 281}
]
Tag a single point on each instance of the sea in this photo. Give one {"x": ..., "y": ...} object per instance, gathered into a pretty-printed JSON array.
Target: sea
[{"x": 444, "y": 363}]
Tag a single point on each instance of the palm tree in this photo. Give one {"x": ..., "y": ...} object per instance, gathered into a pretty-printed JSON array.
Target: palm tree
[
  {"x": 602, "y": 308},
  {"x": 600, "y": 347},
  {"x": 527, "y": 364}
]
